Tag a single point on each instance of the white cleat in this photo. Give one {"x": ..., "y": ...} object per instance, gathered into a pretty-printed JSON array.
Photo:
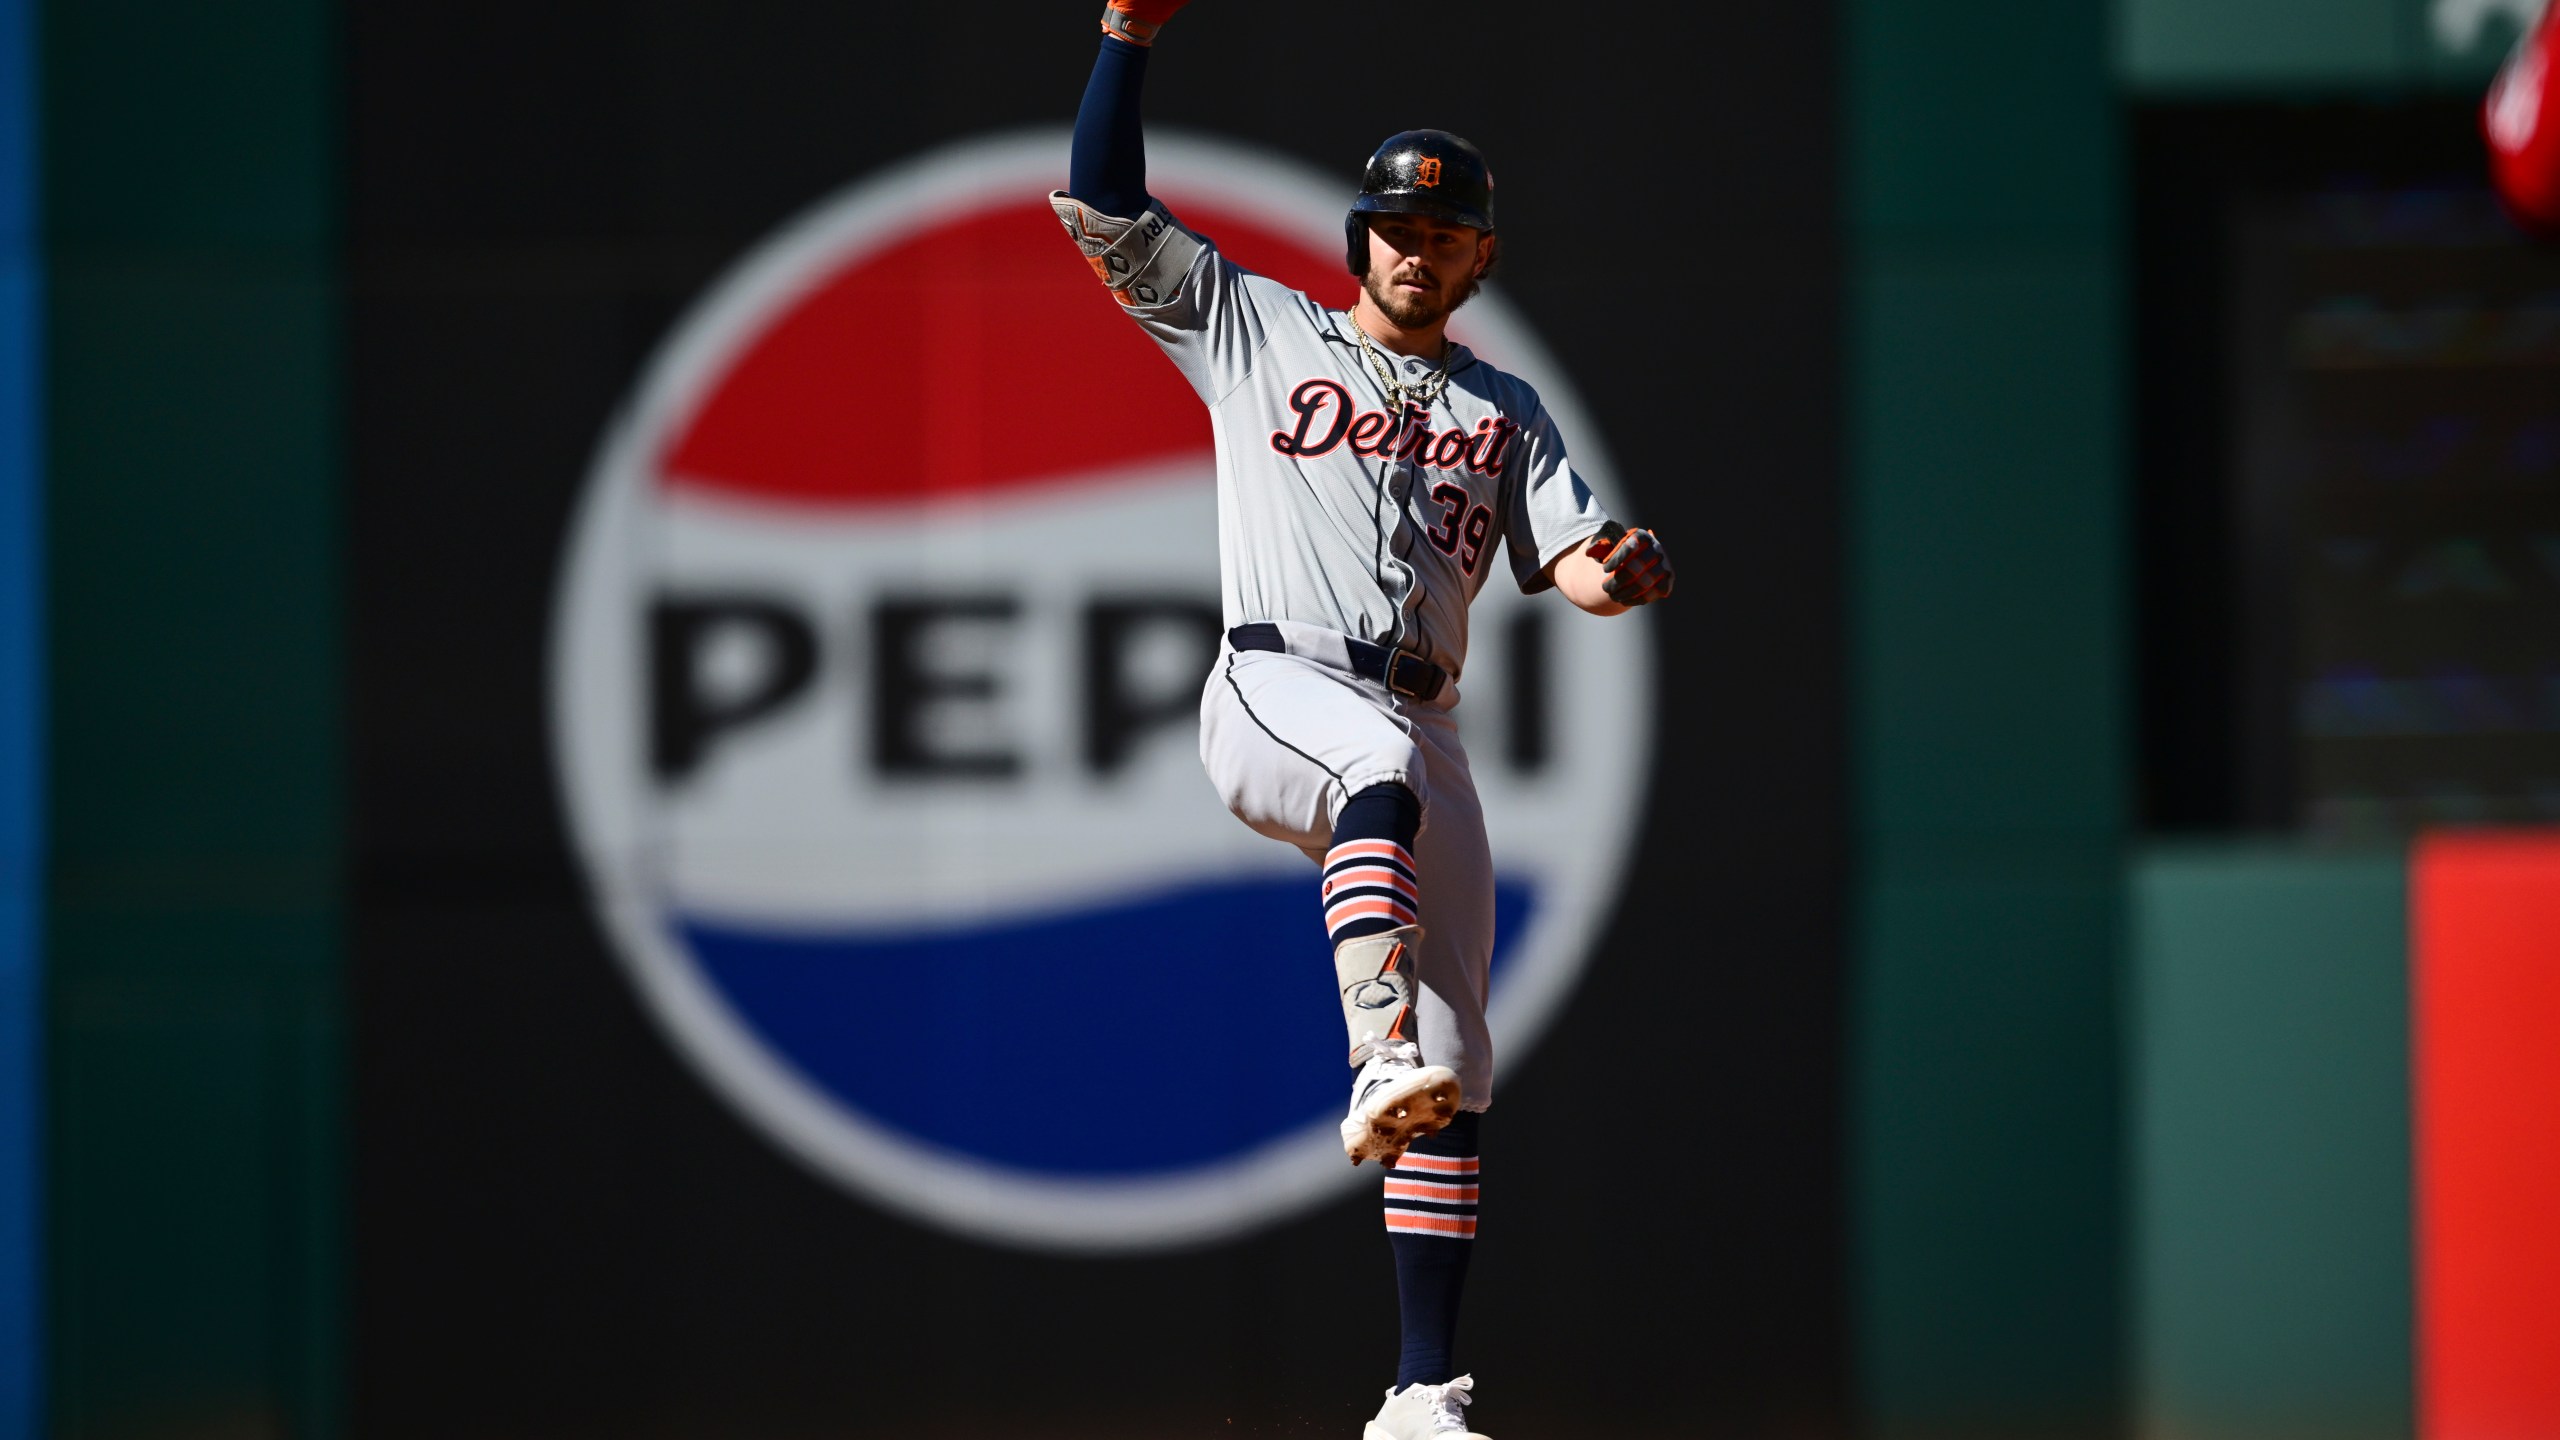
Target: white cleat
[
  {"x": 1426, "y": 1412},
  {"x": 1396, "y": 1100}
]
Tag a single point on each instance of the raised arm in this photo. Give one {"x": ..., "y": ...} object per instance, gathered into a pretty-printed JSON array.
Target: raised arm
[
  {"x": 1107, "y": 168},
  {"x": 1173, "y": 282}
]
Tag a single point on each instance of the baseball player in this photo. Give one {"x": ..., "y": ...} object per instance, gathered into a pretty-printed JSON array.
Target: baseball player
[{"x": 1372, "y": 475}]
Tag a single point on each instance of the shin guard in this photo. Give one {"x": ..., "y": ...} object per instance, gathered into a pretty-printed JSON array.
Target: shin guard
[{"x": 1376, "y": 976}]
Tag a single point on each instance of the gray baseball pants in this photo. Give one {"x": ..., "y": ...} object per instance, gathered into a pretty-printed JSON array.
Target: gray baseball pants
[{"x": 1288, "y": 738}]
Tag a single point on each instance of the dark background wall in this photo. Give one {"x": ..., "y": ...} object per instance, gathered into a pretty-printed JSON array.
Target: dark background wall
[
  {"x": 558, "y": 1231},
  {"x": 193, "y": 1166}
]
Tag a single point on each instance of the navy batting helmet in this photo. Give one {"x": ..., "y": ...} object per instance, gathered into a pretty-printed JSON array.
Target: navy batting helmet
[{"x": 1420, "y": 172}]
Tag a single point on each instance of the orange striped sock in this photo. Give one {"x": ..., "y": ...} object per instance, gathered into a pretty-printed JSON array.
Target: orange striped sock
[
  {"x": 1371, "y": 885},
  {"x": 1431, "y": 1225}
]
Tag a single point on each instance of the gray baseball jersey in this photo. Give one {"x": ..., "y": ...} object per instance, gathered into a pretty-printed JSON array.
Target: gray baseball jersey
[{"x": 1335, "y": 512}]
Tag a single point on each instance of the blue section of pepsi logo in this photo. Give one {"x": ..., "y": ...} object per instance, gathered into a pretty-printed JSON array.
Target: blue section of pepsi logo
[{"x": 1153, "y": 1036}]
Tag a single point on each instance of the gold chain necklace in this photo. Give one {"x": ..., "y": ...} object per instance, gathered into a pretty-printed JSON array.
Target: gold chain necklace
[{"x": 1426, "y": 393}]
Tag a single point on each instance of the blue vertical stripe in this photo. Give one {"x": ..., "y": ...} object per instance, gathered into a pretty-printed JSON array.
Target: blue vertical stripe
[{"x": 21, "y": 740}]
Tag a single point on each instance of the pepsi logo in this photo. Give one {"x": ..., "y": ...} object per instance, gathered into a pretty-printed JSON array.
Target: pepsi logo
[{"x": 876, "y": 660}]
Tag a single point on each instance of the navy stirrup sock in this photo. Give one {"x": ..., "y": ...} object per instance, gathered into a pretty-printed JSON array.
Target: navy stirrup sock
[
  {"x": 1371, "y": 885},
  {"x": 1431, "y": 1224}
]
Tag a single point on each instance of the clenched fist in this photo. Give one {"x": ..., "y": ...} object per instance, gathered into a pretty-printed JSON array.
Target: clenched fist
[{"x": 1639, "y": 569}]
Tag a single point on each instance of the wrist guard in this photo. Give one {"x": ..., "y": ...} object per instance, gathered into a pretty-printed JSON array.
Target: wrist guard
[{"x": 1137, "y": 21}]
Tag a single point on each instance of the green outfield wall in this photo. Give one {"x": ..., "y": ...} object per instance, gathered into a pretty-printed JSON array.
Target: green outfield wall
[
  {"x": 2269, "y": 1187},
  {"x": 192, "y": 931},
  {"x": 1990, "y": 714}
]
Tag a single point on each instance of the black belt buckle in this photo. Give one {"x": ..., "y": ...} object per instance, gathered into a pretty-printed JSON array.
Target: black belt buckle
[{"x": 1412, "y": 676}]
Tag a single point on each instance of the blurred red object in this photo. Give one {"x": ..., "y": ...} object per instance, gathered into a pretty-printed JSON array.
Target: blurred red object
[
  {"x": 2521, "y": 119},
  {"x": 2485, "y": 933}
]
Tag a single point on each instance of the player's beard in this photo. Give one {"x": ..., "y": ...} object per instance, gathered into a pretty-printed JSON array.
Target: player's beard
[{"x": 1413, "y": 312}]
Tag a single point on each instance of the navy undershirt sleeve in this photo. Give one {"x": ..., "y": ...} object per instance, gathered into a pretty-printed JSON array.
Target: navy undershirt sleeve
[{"x": 1107, "y": 168}]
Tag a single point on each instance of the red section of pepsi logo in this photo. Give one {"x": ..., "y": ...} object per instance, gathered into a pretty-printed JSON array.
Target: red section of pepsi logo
[{"x": 981, "y": 356}]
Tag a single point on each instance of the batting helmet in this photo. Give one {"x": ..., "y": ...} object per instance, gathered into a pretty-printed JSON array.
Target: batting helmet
[{"x": 1420, "y": 172}]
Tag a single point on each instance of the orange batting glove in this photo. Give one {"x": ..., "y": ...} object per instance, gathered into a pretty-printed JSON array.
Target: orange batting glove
[
  {"x": 1638, "y": 569},
  {"x": 1137, "y": 21}
]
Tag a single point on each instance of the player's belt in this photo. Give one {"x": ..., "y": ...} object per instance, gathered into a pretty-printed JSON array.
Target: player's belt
[{"x": 1401, "y": 671}]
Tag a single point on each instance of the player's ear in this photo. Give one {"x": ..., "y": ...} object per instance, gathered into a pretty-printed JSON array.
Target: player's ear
[{"x": 1488, "y": 253}]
